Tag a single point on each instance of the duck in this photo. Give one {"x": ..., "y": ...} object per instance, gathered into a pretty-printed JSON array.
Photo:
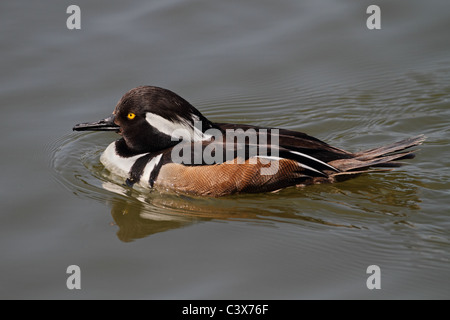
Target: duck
[{"x": 168, "y": 144}]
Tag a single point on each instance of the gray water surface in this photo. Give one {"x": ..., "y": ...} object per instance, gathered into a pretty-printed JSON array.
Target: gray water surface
[{"x": 311, "y": 66}]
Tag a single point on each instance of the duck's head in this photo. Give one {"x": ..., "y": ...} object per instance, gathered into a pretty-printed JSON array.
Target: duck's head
[{"x": 152, "y": 119}]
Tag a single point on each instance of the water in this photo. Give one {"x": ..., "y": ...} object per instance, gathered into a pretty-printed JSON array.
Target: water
[{"x": 311, "y": 66}]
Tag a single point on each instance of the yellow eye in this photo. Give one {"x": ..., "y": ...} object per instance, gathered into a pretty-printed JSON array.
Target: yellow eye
[{"x": 131, "y": 116}]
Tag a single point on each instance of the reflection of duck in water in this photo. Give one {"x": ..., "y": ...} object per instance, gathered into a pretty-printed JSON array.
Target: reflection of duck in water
[
  {"x": 139, "y": 214},
  {"x": 137, "y": 218},
  {"x": 169, "y": 144}
]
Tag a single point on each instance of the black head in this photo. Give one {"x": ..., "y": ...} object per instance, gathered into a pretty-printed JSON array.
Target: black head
[{"x": 152, "y": 119}]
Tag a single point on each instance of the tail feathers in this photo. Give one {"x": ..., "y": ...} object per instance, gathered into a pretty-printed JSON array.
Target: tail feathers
[
  {"x": 346, "y": 165},
  {"x": 378, "y": 157},
  {"x": 389, "y": 149}
]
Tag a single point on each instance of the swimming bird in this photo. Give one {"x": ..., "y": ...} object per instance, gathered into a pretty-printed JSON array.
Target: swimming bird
[{"x": 168, "y": 144}]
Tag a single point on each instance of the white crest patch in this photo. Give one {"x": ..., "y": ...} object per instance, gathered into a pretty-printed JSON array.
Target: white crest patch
[{"x": 176, "y": 130}]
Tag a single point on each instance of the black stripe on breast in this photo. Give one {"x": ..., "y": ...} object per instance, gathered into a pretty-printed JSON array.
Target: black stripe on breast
[
  {"x": 137, "y": 169},
  {"x": 166, "y": 158}
]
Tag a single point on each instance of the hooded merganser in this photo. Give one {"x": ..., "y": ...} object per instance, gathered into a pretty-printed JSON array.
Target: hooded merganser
[{"x": 167, "y": 143}]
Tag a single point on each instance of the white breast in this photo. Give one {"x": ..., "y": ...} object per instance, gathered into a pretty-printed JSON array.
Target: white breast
[
  {"x": 121, "y": 166},
  {"x": 116, "y": 164}
]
